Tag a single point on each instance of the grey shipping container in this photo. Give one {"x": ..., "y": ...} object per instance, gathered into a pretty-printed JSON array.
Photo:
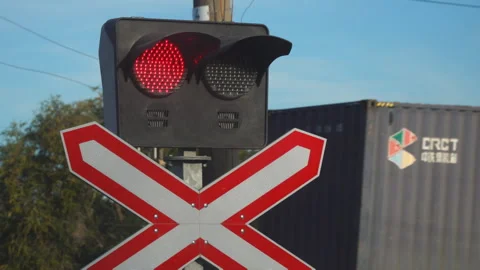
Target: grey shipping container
[{"x": 399, "y": 188}]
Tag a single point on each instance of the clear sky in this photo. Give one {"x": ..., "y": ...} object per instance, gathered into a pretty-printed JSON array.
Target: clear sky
[{"x": 395, "y": 50}]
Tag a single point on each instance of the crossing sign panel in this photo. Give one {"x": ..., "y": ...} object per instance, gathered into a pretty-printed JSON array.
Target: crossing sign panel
[{"x": 183, "y": 223}]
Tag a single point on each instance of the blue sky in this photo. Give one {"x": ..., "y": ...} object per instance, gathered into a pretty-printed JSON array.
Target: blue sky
[{"x": 396, "y": 50}]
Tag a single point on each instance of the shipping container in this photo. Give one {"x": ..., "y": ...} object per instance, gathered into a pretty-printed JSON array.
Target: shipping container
[{"x": 399, "y": 188}]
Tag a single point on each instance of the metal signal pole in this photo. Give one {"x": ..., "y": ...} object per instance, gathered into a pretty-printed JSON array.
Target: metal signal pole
[
  {"x": 213, "y": 10},
  {"x": 223, "y": 160}
]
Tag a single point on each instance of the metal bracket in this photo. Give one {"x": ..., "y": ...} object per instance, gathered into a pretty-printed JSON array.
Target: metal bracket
[{"x": 189, "y": 159}]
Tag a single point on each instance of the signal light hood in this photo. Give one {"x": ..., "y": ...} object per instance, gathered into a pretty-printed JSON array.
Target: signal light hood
[{"x": 262, "y": 50}]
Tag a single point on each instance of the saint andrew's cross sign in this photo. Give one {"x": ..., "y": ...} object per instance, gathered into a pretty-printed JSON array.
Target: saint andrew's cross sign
[{"x": 183, "y": 223}]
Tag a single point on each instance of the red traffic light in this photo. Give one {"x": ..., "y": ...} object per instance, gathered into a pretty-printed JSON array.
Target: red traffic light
[
  {"x": 169, "y": 83},
  {"x": 160, "y": 70},
  {"x": 160, "y": 65}
]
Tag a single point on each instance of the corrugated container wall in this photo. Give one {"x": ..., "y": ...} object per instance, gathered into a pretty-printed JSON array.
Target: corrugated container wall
[{"x": 399, "y": 188}]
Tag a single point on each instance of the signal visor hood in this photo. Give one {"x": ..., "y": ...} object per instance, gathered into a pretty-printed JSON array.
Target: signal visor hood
[{"x": 261, "y": 50}]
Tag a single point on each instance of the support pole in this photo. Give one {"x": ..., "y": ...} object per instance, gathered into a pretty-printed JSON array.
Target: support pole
[
  {"x": 201, "y": 10},
  {"x": 222, "y": 159},
  {"x": 212, "y": 10}
]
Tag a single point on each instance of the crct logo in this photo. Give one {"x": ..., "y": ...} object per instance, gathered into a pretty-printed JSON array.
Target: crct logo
[{"x": 396, "y": 148}]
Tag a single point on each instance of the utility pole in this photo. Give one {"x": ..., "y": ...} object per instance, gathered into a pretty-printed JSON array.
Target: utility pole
[{"x": 213, "y": 10}]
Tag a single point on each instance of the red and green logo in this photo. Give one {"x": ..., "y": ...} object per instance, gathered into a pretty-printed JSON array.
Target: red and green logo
[{"x": 396, "y": 148}]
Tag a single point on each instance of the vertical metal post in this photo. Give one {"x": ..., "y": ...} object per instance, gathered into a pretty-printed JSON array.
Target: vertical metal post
[
  {"x": 207, "y": 10},
  {"x": 223, "y": 160},
  {"x": 192, "y": 172},
  {"x": 201, "y": 10}
]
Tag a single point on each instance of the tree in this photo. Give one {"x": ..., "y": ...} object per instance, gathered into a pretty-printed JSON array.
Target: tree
[
  {"x": 49, "y": 219},
  {"x": 246, "y": 154}
]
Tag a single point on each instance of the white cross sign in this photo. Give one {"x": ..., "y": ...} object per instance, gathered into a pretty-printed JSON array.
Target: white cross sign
[{"x": 184, "y": 224}]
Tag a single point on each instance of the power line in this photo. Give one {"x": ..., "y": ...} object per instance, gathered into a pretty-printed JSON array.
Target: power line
[
  {"x": 47, "y": 39},
  {"x": 448, "y": 3},
  {"x": 49, "y": 74},
  {"x": 245, "y": 11}
]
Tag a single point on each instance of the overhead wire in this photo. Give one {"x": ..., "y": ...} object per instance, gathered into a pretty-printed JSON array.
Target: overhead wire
[
  {"x": 51, "y": 41},
  {"x": 46, "y": 38},
  {"x": 448, "y": 3},
  {"x": 246, "y": 9},
  {"x": 95, "y": 58},
  {"x": 49, "y": 74}
]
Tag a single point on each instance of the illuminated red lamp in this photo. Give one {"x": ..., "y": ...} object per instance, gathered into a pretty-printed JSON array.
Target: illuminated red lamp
[{"x": 160, "y": 70}]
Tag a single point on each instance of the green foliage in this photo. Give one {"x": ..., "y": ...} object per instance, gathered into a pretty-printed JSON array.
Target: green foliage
[
  {"x": 49, "y": 219},
  {"x": 246, "y": 154}
]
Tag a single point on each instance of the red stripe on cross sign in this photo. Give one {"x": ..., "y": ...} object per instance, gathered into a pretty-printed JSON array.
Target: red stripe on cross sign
[{"x": 183, "y": 223}]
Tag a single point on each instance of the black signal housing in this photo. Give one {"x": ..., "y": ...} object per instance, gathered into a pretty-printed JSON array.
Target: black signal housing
[{"x": 172, "y": 83}]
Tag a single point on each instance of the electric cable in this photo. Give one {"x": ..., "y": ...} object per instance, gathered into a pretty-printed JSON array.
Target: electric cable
[
  {"x": 47, "y": 39},
  {"x": 245, "y": 11},
  {"x": 48, "y": 73},
  {"x": 448, "y": 3}
]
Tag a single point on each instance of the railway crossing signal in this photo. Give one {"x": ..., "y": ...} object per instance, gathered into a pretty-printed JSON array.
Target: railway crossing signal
[{"x": 190, "y": 84}]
